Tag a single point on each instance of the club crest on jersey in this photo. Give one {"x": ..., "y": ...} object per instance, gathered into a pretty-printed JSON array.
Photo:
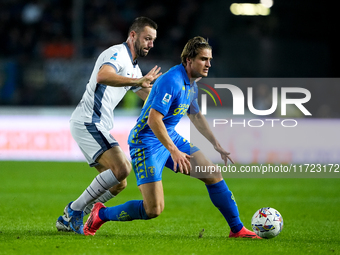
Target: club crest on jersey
[
  {"x": 114, "y": 57},
  {"x": 166, "y": 98}
]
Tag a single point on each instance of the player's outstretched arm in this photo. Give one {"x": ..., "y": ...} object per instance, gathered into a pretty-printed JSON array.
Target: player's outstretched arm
[
  {"x": 107, "y": 75},
  {"x": 181, "y": 160},
  {"x": 202, "y": 126}
]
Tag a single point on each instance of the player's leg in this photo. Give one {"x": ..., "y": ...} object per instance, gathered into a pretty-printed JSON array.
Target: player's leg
[
  {"x": 115, "y": 190},
  {"x": 117, "y": 169},
  {"x": 153, "y": 198},
  {"x": 98, "y": 147},
  {"x": 218, "y": 190},
  {"x": 148, "y": 165},
  {"x": 109, "y": 194},
  {"x": 220, "y": 195},
  {"x": 150, "y": 207},
  {"x": 62, "y": 223}
]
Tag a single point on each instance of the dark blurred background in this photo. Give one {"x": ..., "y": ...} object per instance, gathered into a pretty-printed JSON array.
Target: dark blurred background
[{"x": 48, "y": 48}]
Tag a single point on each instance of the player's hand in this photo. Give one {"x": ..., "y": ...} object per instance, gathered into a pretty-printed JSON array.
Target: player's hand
[
  {"x": 145, "y": 81},
  {"x": 224, "y": 154},
  {"x": 181, "y": 162}
]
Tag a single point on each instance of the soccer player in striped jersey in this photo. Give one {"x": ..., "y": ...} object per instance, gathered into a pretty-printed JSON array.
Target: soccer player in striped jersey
[{"x": 115, "y": 72}]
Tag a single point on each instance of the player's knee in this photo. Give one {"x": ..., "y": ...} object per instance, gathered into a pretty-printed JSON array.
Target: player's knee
[
  {"x": 122, "y": 185},
  {"x": 154, "y": 211},
  {"x": 122, "y": 170}
]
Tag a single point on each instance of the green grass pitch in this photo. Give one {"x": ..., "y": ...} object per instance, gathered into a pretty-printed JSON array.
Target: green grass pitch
[{"x": 34, "y": 194}]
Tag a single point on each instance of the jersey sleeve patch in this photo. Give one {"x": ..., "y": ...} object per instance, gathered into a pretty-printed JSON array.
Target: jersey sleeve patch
[
  {"x": 166, "y": 98},
  {"x": 114, "y": 57},
  {"x": 164, "y": 92}
]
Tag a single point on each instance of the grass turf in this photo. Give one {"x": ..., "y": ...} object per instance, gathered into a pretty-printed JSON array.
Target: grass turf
[{"x": 34, "y": 194}]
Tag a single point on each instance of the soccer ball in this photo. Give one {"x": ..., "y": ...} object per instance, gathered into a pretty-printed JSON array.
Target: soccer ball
[{"x": 267, "y": 222}]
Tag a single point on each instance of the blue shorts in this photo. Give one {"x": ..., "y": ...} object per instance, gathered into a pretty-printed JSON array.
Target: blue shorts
[{"x": 148, "y": 161}]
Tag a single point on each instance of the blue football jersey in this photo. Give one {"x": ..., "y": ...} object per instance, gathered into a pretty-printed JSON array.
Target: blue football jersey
[{"x": 173, "y": 96}]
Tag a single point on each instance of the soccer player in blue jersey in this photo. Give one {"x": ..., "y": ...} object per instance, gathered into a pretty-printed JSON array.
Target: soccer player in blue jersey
[{"x": 154, "y": 143}]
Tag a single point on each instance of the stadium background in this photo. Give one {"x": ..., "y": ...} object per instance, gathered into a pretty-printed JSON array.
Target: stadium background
[{"x": 48, "y": 48}]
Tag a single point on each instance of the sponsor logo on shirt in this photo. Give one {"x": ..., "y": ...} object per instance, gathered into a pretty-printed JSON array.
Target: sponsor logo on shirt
[{"x": 181, "y": 109}]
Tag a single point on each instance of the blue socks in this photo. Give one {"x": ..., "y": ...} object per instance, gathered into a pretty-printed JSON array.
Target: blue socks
[
  {"x": 224, "y": 200},
  {"x": 219, "y": 194},
  {"x": 131, "y": 210}
]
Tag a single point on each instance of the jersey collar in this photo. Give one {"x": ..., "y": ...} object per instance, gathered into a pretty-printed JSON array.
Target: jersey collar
[{"x": 129, "y": 51}]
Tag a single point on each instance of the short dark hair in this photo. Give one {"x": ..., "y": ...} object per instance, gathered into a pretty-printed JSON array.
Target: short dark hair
[
  {"x": 141, "y": 22},
  {"x": 192, "y": 48}
]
